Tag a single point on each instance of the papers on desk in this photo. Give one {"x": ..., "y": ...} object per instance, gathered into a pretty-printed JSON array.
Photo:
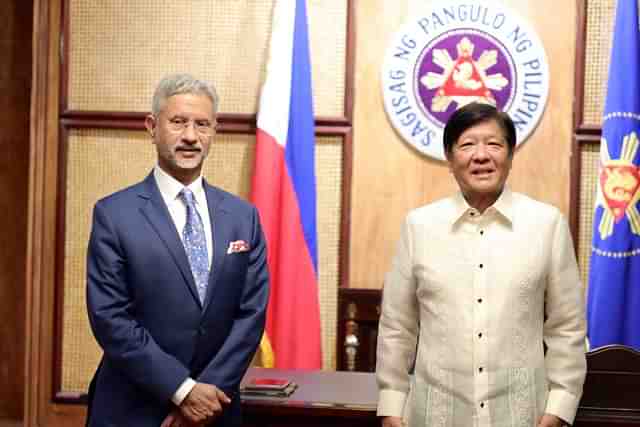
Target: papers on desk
[{"x": 270, "y": 387}]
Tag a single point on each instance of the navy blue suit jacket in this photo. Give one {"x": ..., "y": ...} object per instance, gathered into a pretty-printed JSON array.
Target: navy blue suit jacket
[{"x": 145, "y": 312}]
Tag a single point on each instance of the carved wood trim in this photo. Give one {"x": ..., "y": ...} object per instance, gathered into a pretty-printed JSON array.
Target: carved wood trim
[
  {"x": 43, "y": 168},
  {"x": 358, "y": 313}
]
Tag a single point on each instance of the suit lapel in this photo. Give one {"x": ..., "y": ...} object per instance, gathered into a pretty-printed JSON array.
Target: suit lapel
[
  {"x": 156, "y": 212},
  {"x": 220, "y": 230}
]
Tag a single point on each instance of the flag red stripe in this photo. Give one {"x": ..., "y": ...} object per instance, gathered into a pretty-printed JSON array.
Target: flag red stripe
[{"x": 293, "y": 320}]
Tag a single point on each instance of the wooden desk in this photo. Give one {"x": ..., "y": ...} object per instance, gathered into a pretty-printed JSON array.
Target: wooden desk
[
  {"x": 610, "y": 399},
  {"x": 322, "y": 398}
]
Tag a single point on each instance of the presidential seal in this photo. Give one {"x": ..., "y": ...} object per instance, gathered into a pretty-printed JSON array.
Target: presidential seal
[
  {"x": 460, "y": 52},
  {"x": 619, "y": 187}
]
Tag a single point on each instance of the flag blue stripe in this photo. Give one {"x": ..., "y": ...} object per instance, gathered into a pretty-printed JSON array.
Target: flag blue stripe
[{"x": 300, "y": 145}]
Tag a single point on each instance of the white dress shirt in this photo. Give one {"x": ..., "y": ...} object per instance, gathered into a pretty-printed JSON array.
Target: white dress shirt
[
  {"x": 470, "y": 292},
  {"x": 170, "y": 189}
]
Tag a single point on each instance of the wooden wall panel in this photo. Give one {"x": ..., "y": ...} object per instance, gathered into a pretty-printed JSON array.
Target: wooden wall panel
[
  {"x": 598, "y": 38},
  {"x": 390, "y": 178},
  {"x": 41, "y": 219},
  {"x": 15, "y": 88},
  {"x": 224, "y": 39}
]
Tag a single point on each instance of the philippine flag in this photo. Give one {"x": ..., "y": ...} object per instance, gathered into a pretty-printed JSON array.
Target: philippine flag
[{"x": 284, "y": 191}]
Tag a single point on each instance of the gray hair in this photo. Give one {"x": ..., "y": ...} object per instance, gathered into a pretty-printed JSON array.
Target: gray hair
[{"x": 178, "y": 84}]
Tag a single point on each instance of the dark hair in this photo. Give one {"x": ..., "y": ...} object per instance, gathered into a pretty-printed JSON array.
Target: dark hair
[{"x": 473, "y": 114}]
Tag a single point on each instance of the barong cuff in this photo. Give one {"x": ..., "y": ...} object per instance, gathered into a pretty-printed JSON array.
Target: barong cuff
[
  {"x": 391, "y": 403},
  {"x": 562, "y": 404}
]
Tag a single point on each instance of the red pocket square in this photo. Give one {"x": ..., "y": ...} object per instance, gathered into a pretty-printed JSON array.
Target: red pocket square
[{"x": 237, "y": 246}]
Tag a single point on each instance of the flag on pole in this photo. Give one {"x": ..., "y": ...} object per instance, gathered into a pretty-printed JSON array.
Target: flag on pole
[
  {"x": 613, "y": 306},
  {"x": 283, "y": 189}
]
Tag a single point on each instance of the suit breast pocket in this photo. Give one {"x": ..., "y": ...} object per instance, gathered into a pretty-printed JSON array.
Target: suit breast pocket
[
  {"x": 237, "y": 262},
  {"x": 231, "y": 278}
]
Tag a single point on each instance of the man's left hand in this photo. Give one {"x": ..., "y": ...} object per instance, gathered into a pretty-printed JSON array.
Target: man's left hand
[
  {"x": 203, "y": 404},
  {"x": 548, "y": 420}
]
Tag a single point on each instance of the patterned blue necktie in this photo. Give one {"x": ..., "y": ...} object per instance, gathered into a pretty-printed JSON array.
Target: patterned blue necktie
[{"x": 195, "y": 244}]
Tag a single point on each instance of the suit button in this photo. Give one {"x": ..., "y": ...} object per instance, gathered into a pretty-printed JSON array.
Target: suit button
[{"x": 202, "y": 331}]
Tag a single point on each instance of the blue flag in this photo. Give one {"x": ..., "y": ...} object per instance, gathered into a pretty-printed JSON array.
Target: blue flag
[{"x": 613, "y": 307}]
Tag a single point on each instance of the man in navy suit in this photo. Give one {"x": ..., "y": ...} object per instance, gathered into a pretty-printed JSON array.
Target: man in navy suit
[{"x": 177, "y": 281}]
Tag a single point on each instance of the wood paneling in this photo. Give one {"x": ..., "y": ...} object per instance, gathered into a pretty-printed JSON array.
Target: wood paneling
[
  {"x": 358, "y": 314},
  {"x": 15, "y": 87},
  {"x": 390, "y": 178},
  {"x": 43, "y": 166}
]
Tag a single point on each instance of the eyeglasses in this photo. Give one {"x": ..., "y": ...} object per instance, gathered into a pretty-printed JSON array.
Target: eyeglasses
[{"x": 203, "y": 127}]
